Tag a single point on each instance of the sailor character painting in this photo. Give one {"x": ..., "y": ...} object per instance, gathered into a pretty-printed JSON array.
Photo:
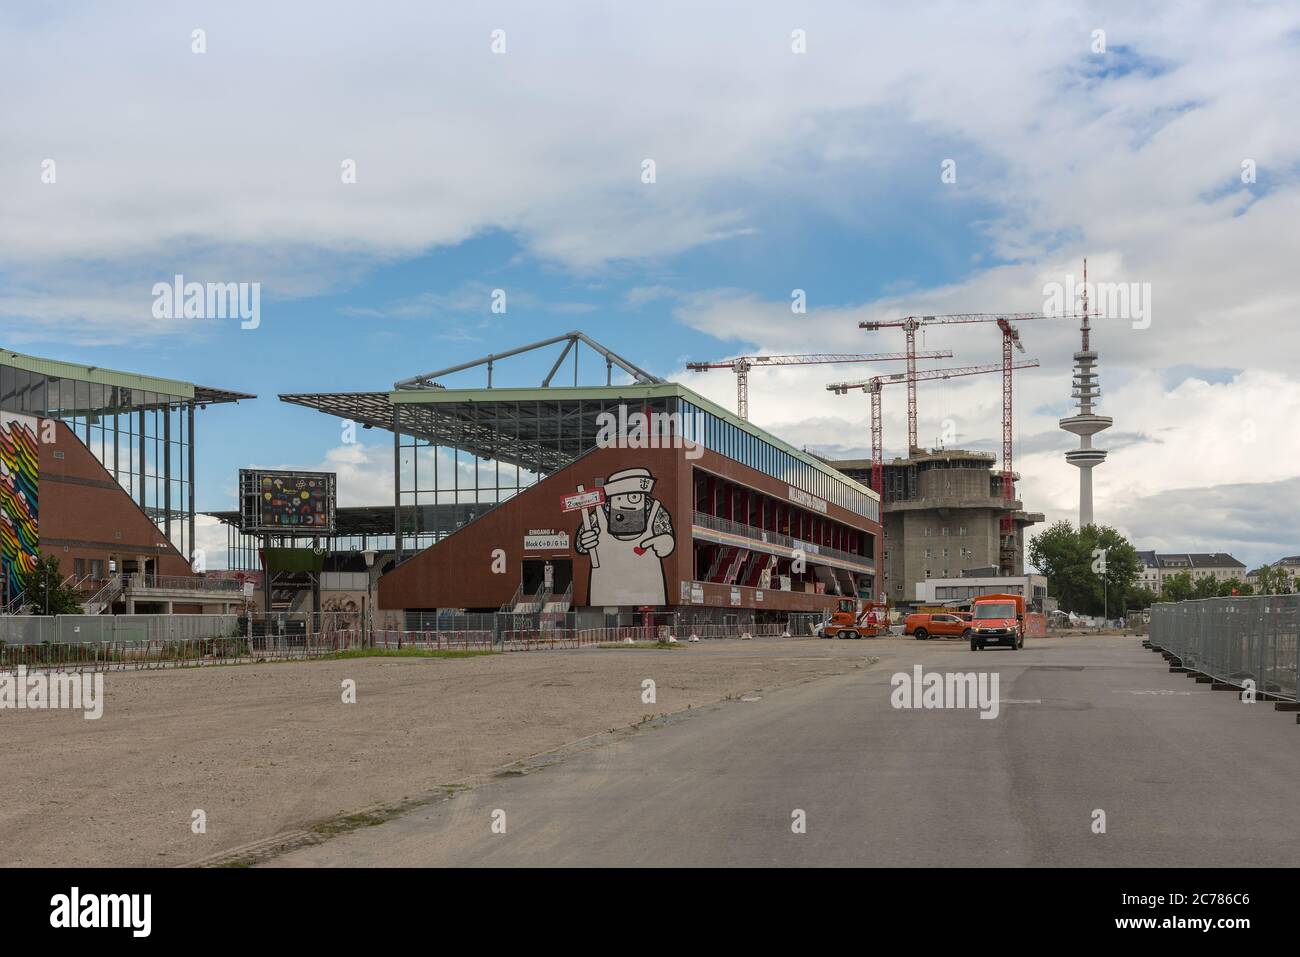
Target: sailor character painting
[{"x": 627, "y": 538}]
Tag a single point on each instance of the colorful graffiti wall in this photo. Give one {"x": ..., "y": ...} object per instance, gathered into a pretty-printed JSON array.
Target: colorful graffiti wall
[{"x": 19, "y": 500}]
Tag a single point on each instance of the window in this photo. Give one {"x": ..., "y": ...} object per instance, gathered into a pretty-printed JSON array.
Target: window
[
  {"x": 927, "y": 531},
  {"x": 945, "y": 531}
]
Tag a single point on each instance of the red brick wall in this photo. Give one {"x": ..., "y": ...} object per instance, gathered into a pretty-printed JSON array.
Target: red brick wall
[
  {"x": 457, "y": 573},
  {"x": 85, "y": 513}
]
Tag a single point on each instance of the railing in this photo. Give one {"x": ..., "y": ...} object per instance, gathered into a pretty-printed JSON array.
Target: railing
[
  {"x": 564, "y": 601},
  {"x": 1234, "y": 640},
  {"x": 514, "y": 599},
  {"x": 15, "y": 604},
  {"x": 764, "y": 536},
  {"x": 105, "y": 596},
  {"x": 184, "y": 583}
]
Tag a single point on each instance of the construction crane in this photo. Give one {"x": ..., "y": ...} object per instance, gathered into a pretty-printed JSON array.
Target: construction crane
[
  {"x": 873, "y": 386},
  {"x": 910, "y": 324},
  {"x": 742, "y": 364}
]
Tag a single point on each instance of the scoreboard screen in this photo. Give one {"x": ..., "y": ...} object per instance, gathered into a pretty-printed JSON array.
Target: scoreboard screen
[{"x": 286, "y": 503}]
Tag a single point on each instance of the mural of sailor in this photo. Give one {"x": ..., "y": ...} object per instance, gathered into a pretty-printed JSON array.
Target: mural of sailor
[{"x": 627, "y": 537}]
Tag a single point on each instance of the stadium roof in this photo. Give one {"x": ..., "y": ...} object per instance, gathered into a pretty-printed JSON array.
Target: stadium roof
[
  {"x": 202, "y": 395},
  {"x": 539, "y": 428},
  {"x": 468, "y": 418}
]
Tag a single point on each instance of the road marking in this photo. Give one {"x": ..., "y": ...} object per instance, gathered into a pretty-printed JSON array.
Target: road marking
[
  {"x": 752, "y": 697},
  {"x": 1151, "y": 691},
  {"x": 1020, "y": 701}
]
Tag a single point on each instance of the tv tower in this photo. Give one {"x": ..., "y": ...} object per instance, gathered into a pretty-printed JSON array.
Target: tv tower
[{"x": 1085, "y": 424}]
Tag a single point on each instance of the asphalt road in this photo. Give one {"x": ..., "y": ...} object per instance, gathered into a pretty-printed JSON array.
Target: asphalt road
[{"x": 1185, "y": 776}]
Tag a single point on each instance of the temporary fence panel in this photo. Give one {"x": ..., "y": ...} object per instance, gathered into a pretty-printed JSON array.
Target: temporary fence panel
[{"x": 1234, "y": 640}]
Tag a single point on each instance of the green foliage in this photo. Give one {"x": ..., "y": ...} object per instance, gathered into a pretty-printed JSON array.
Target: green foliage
[
  {"x": 1141, "y": 597},
  {"x": 46, "y": 592},
  {"x": 1082, "y": 579},
  {"x": 1179, "y": 587},
  {"x": 1273, "y": 581},
  {"x": 1206, "y": 587}
]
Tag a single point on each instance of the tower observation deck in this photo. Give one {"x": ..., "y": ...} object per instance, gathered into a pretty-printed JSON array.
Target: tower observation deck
[{"x": 1086, "y": 423}]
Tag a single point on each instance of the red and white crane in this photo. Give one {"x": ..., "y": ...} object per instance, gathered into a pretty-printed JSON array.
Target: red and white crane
[
  {"x": 909, "y": 324},
  {"x": 873, "y": 386},
  {"x": 1010, "y": 340},
  {"x": 742, "y": 364}
]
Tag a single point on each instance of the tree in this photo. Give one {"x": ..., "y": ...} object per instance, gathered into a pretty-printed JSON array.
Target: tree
[
  {"x": 1090, "y": 570},
  {"x": 1273, "y": 581},
  {"x": 45, "y": 590},
  {"x": 1226, "y": 588},
  {"x": 1207, "y": 586},
  {"x": 1141, "y": 597},
  {"x": 1177, "y": 587}
]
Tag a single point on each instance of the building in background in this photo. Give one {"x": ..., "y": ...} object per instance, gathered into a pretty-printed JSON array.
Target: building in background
[
  {"x": 959, "y": 591},
  {"x": 1149, "y": 575},
  {"x": 1157, "y": 568},
  {"x": 942, "y": 516}
]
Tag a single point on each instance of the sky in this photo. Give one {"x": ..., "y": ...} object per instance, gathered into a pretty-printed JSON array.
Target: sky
[{"x": 381, "y": 170}]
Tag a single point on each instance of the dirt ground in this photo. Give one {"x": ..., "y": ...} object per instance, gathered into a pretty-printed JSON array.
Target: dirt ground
[{"x": 271, "y": 748}]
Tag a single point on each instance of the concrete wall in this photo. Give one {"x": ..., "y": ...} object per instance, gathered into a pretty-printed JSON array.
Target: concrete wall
[{"x": 906, "y": 542}]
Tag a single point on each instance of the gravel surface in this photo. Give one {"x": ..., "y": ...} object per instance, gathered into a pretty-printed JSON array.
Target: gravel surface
[{"x": 271, "y": 748}]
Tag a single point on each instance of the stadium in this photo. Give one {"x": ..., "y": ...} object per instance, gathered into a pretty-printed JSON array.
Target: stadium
[{"x": 595, "y": 505}]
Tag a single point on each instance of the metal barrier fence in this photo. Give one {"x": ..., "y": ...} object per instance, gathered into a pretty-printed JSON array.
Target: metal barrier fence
[
  {"x": 269, "y": 645},
  {"x": 87, "y": 629},
  {"x": 173, "y": 653},
  {"x": 159, "y": 641},
  {"x": 1234, "y": 639}
]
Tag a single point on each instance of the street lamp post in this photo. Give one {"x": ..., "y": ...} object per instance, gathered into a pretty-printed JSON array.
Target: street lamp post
[{"x": 367, "y": 623}]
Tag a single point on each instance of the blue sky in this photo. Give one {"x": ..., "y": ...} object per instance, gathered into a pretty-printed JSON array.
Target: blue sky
[{"x": 776, "y": 170}]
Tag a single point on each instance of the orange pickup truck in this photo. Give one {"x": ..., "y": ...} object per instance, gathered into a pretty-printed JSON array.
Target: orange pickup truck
[{"x": 955, "y": 624}]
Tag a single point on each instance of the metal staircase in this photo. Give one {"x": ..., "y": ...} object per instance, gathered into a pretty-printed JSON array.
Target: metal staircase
[{"x": 103, "y": 599}]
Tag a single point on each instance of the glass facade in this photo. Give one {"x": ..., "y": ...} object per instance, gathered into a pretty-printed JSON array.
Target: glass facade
[
  {"x": 452, "y": 455},
  {"x": 143, "y": 439},
  {"x": 720, "y": 435}
]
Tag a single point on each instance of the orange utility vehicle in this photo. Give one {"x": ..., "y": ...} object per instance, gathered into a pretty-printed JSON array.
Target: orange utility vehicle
[
  {"x": 998, "y": 620},
  {"x": 856, "y": 619},
  {"x": 948, "y": 624}
]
